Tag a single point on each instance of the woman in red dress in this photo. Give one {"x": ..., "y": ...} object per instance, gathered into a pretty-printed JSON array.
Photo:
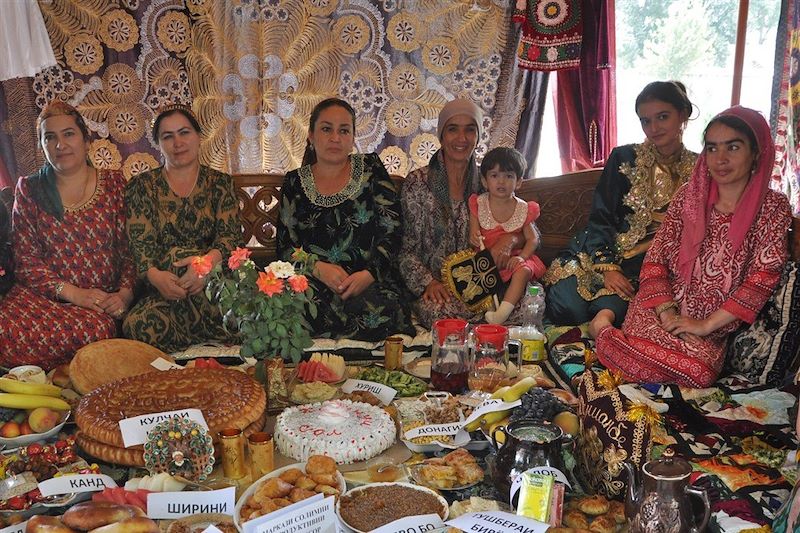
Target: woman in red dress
[
  {"x": 74, "y": 274},
  {"x": 713, "y": 263}
]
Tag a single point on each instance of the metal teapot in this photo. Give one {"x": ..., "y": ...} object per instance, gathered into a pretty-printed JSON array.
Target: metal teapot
[{"x": 659, "y": 502}]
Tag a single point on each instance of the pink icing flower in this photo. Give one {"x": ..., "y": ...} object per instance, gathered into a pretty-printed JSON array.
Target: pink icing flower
[
  {"x": 238, "y": 256},
  {"x": 269, "y": 284},
  {"x": 202, "y": 265},
  {"x": 298, "y": 283}
]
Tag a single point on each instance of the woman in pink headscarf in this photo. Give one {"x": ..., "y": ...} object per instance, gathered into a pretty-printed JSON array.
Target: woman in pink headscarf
[{"x": 713, "y": 263}]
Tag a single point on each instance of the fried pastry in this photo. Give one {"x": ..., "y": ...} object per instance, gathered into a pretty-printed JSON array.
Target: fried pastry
[
  {"x": 594, "y": 505},
  {"x": 291, "y": 475},
  {"x": 617, "y": 511},
  {"x": 603, "y": 524},
  {"x": 575, "y": 519},
  {"x": 320, "y": 464},
  {"x": 272, "y": 488}
]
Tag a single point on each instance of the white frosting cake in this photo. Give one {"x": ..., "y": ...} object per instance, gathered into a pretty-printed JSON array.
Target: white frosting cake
[{"x": 343, "y": 430}]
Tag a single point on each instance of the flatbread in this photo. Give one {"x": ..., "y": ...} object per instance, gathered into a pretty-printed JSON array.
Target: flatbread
[
  {"x": 108, "y": 360},
  {"x": 227, "y": 398}
]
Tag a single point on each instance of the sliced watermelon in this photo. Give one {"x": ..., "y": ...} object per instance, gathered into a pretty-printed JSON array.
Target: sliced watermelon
[
  {"x": 134, "y": 498},
  {"x": 309, "y": 371}
]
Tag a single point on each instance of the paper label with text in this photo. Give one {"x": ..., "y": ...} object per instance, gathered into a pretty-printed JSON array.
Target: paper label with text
[
  {"x": 75, "y": 483},
  {"x": 212, "y": 529},
  {"x": 412, "y": 524},
  {"x": 163, "y": 364},
  {"x": 134, "y": 430},
  {"x": 384, "y": 393},
  {"x": 164, "y": 505},
  {"x": 497, "y": 522},
  {"x": 316, "y": 516},
  {"x": 490, "y": 406},
  {"x": 16, "y": 528}
]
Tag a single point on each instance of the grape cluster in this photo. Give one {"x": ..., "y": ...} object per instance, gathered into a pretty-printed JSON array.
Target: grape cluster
[
  {"x": 538, "y": 405},
  {"x": 7, "y": 414}
]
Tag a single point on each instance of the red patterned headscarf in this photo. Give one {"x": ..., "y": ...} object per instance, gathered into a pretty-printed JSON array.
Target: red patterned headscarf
[{"x": 702, "y": 193}]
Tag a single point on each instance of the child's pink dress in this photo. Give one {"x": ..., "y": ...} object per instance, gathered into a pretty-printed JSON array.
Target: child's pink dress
[{"x": 492, "y": 230}]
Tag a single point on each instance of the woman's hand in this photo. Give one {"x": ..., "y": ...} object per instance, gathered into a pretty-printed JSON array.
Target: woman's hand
[
  {"x": 331, "y": 275},
  {"x": 436, "y": 292},
  {"x": 86, "y": 298},
  {"x": 166, "y": 283},
  {"x": 356, "y": 283},
  {"x": 682, "y": 324},
  {"x": 514, "y": 262},
  {"x": 191, "y": 282},
  {"x": 667, "y": 316},
  {"x": 614, "y": 280},
  {"x": 116, "y": 303}
]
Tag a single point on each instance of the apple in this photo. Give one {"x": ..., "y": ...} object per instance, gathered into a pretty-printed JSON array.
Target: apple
[
  {"x": 43, "y": 419},
  {"x": 25, "y": 429},
  {"x": 10, "y": 430}
]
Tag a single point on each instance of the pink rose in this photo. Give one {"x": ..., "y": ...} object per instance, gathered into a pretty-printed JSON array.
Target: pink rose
[
  {"x": 269, "y": 284},
  {"x": 202, "y": 265},
  {"x": 238, "y": 256},
  {"x": 298, "y": 283}
]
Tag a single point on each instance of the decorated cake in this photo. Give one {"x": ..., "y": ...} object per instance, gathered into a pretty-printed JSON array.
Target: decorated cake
[{"x": 343, "y": 430}]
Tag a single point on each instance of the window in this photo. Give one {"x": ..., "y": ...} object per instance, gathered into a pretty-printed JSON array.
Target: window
[{"x": 688, "y": 40}]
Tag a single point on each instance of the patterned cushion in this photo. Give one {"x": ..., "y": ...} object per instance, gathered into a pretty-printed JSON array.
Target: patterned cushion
[{"x": 766, "y": 351}]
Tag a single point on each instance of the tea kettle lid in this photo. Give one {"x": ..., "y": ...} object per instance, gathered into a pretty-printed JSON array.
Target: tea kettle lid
[{"x": 668, "y": 466}]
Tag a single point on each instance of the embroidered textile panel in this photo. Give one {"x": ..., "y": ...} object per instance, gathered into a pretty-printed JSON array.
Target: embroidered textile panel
[{"x": 254, "y": 69}]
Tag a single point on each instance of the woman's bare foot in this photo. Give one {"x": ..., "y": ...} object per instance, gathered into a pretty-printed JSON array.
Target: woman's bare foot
[{"x": 603, "y": 318}]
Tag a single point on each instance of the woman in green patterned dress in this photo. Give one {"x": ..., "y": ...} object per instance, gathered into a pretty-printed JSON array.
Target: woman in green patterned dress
[
  {"x": 344, "y": 208},
  {"x": 182, "y": 220}
]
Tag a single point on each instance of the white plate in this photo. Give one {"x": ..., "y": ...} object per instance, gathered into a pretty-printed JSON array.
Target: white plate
[
  {"x": 275, "y": 473},
  {"x": 24, "y": 440},
  {"x": 420, "y": 368},
  {"x": 442, "y": 501}
]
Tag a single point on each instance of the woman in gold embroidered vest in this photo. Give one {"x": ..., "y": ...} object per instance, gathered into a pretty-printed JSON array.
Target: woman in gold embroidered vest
[{"x": 598, "y": 274}]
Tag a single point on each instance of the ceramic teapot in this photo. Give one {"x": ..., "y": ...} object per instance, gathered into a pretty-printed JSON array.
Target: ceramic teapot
[{"x": 659, "y": 502}]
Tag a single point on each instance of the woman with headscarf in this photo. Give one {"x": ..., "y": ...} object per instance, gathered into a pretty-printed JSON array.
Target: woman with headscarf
[
  {"x": 183, "y": 218},
  {"x": 74, "y": 274},
  {"x": 343, "y": 207},
  {"x": 436, "y": 214},
  {"x": 597, "y": 275},
  {"x": 712, "y": 265}
]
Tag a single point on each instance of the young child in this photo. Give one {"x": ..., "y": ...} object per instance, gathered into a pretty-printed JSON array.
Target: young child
[{"x": 498, "y": 212}]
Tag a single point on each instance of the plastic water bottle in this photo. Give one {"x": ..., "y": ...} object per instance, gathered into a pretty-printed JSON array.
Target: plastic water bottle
[{"x": 532, "y": 333}]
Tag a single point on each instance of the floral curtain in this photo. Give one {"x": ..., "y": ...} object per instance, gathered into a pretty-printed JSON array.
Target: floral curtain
[
  {"x": 254, "y": 69},
  {"x": 785, "y": 115}
]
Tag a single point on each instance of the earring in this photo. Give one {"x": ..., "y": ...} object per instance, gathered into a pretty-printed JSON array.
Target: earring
[{"x": 311, "y": 147}]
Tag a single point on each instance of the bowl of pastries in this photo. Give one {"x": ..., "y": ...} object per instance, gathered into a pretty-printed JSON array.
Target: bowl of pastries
[{"x": 288, "y": 485}]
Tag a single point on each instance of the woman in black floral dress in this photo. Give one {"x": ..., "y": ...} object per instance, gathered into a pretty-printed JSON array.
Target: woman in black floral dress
[{"x": 344, "y": 208}]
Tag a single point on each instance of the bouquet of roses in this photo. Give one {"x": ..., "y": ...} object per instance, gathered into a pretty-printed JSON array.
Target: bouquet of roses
[{"x": 266, "y": 307}]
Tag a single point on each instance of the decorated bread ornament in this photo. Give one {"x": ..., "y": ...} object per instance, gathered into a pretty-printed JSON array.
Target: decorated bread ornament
[{"x": 180, "y": 447}]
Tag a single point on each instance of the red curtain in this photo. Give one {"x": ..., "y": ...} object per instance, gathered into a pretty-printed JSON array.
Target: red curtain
[{"x": 585, "y": 101}]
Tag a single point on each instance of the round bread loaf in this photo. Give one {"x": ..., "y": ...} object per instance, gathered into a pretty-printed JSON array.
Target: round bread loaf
[
  {"x": 91, "y": 515},
  {"x": 227, "y": 398},
  {"x": 134, "y": 456},
  {"x": 108, "y": 360}
]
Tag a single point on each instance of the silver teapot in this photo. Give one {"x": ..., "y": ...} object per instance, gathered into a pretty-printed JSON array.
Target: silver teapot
[{"x": 659, "y": 502}]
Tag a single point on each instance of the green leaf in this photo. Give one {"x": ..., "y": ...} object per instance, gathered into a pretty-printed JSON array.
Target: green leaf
[{"x": 246, "y": 350}]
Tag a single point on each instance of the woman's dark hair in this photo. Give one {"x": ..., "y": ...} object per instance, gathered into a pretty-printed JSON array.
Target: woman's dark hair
[
  {"x": 508, "y": 159},
  {"x": 737, "y": 124},
  {"x": 671, "y": 92},
  {"x": 59, "y": 108},
  {"x": 172, "y": 110},
  {"x": 310, "y": 156}
]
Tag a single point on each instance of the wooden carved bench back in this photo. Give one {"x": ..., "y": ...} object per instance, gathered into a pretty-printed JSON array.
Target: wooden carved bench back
[{"x": 565, "y": 202}]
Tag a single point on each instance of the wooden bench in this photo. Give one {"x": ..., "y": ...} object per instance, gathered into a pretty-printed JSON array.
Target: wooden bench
[{"x": 565, "y": 202}]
